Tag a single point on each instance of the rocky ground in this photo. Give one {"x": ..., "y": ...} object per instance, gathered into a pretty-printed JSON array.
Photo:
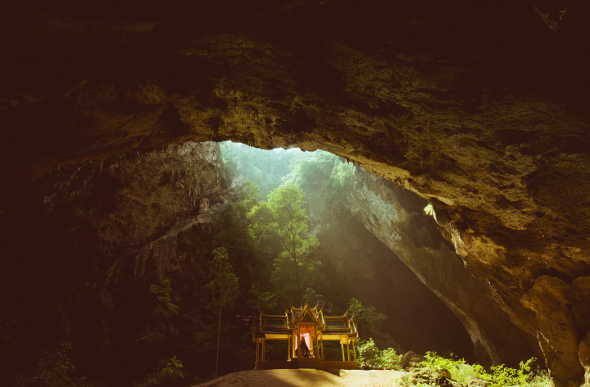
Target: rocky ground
[{"x": 308, "y": 377}]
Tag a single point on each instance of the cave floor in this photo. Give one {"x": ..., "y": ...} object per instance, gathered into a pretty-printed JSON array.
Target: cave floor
[{"x": 308, "y": 377}]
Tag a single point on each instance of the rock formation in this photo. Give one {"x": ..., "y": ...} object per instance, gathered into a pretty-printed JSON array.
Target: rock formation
[
  {"x": 108, "y": 227},
  {"x": 395, "y": 216},
  {"x": 479, "y": 107},
  {"x": 359, "y": 265}
]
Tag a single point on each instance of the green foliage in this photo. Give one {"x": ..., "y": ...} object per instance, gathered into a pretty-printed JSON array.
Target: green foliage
[
  {"x": 314, "y": 298},
  {"x": 312, "y": 173},
  {"x": 371, "y": 356},
  {"x": 500, "y": 375},
  {"x": 341, "y": 174},
  {"x": 231, "y": 219},
  {"x": 523, "y": 376},
  {"x": 262, "y": 219},
  {"x": 169, "y": 372},
  {"x": 165, "y": 308},
  {"x": 283, "y": 217},
  {"x": 223, "y": 284},
  {"x": 56, "y": 369},
  {"x": 460, "y": 371},
  {"x": 289, "y": 218},
  {"x": 321, "y": 175},
  {"x": 265, "y": 168},
  {"x": 162, "y": 326},
  {"x": 263, "y": 301},
  {"x": 156, "y": 337},
  {"x": 367, "y": 318},
  {"x": 285, "y": 278},
  {"x": 324, "y": 177},
  {"x": 249, "y": 195}
]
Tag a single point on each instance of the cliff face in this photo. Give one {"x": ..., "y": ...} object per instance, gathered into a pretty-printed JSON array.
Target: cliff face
[
  {"x": 137, "y": 205},
  {"x": 360, "y": 265},
  {"x": 88, "y": 240},
  {"x": 477, "y": 106},
  {"x": 396, "y": 217}
]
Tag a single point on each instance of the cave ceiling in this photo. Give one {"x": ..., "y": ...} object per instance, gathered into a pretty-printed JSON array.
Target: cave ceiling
[{"x": 480, "y": 107}]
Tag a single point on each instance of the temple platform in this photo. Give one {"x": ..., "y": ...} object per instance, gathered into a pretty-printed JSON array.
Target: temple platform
[{"x": 314, "y": 363}]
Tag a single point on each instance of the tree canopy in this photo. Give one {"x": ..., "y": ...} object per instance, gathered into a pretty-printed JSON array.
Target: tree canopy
[
  {"x": 284, "y": 217},
  {"x": 366, "y": 317}
]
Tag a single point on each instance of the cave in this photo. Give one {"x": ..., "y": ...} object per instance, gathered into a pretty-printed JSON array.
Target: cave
[
  {"x": 478, "y": 108},
  {"x": 360, "y": 263}
]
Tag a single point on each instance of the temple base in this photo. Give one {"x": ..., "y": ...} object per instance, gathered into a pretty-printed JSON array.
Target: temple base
[{"x": 318, "y": 364}]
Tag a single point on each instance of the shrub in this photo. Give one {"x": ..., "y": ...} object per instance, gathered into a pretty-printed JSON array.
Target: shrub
[
  {"x": 500, "y": 375},
  {"x": 371, "y": 356},
  {"x": 169, "y": 373},
  {"x": 54, "y": 369}
]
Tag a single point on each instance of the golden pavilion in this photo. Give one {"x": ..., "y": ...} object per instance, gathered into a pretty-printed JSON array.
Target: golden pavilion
[{"x": 305, "y": 329}]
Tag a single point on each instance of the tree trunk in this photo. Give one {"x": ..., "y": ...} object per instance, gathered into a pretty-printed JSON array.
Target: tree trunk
[
  {"x": 218, "y": 336},
  {"x": 294, "y": 256}
]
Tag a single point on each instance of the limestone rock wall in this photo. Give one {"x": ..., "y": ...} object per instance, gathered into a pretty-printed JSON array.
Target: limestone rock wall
[
  {"x": 361, "y": 266},
  {"x": 107, "y": 228},
  {"x": 396, "y": 217},
  {"x": 135, "y": 201}
]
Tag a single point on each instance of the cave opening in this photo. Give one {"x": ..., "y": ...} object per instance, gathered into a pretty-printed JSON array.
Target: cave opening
[
  {"x": 108, "y": 234},
  {"x": 355, "y": 263}
]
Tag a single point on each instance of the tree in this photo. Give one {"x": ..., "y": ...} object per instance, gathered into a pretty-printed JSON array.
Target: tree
[
  {"x": 367, "y": 317},
  {"x": 324, "y": 178},
  {"x": 283, "y": 215},
  {"x": 230, "y": 218},
  {"x": 265, "y": 168},
  {"x": 162, "y": 314},
  {"x": 224, "y": 285},
  {"x": 160, "y": 331}
]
